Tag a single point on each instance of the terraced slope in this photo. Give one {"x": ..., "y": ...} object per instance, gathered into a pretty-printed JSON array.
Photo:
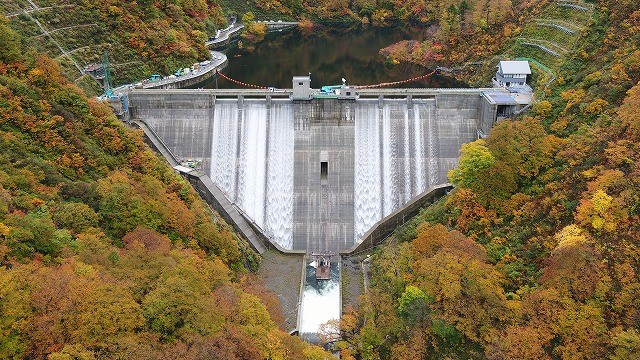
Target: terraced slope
[
  {"x": 548, "y": 39},
  {"x": 141, "y": 37}
]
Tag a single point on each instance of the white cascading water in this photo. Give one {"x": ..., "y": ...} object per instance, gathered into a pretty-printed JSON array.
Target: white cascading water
[
  {"x": 279, "y": 214},
  {"x": 390, "y": 168},
  {"x": 367, "y": 191},
  {"x": 410, "y": 157},
  {"x": 407, "y": 157},
  {"x": 320, "y": 301},
  {"x": 418, "y": 156},
  {"x": 223, "y": 163},
  {"x": 432, "y": 141},
  {"x": 257, "y": 162},
  {"x": 253, "y": 155}
]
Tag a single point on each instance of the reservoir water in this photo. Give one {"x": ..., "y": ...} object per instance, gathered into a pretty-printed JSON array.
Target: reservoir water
[{"x": 329, "y": 55}]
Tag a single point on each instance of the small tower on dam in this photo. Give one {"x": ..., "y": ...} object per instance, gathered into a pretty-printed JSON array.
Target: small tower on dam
[{"x": 302, "y": 88}]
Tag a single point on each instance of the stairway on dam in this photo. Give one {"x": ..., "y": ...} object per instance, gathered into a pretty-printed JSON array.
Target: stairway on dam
[{"x": 317, "y": 175}]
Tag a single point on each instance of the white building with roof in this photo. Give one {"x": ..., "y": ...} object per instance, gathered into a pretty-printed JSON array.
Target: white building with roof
[{"x": 512, "y": 74}]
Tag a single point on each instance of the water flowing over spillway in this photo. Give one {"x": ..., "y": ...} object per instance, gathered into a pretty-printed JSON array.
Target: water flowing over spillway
[
  {"x": 279, "y": 217},
  {"x": 392, "y": 163},
  {"x": 316, "y": 176},
  {"x": 367, "y": 205},
  {"x": 252, "y": 163},
  {"x": 223, "y": 163}
]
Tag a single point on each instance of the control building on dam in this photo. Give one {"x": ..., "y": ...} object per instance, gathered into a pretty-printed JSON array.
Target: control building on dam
[{"x": 316, "y": 175}]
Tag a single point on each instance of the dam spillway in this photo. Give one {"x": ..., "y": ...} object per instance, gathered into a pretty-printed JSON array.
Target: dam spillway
[{"x": 315, "y": 175}]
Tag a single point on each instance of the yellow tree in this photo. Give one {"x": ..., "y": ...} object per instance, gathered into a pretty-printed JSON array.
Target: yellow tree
[
  {"x": 627, "y": 345},
  {"x": 523, "y": 145},
  {"x": 574, "y": 267},
  {"x": 474, "y": 156},
  {"x": 600, "y": 212}
]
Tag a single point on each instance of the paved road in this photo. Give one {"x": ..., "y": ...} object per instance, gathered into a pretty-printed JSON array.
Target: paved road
[
  {"x": 223, "y": 35},
  {"x": 218, "y": 60}
]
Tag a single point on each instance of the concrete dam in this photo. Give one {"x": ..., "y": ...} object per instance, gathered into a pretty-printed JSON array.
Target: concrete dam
[{"x": 316, "y": 175}]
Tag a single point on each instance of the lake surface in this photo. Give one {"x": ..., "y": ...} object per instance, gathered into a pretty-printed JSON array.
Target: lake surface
[{"x": 329, "y": 55}]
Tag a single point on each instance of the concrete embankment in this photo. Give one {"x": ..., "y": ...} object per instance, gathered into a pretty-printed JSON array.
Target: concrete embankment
[{"x": 208, "y": 191}]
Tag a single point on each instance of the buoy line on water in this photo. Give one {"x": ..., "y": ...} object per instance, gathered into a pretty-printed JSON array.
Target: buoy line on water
[
  {"x": 396, "y": 82},
  {"x": 384, "y": 84},
  {"x": 240, "y": 82}
]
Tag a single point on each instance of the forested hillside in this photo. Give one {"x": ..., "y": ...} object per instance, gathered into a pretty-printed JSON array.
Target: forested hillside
[
  {"x": 466, "y": 15},
  {"x": 534, "y": 255},
  {"x": 142, "y": 37},
  {"x": 146, "y": 37},
  {"x": 106, "y": 253}
]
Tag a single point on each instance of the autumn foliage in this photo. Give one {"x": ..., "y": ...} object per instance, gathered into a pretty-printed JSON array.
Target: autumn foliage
[
  {"x": 105, "y": 252},
  {"x": 534, "y": 254}
]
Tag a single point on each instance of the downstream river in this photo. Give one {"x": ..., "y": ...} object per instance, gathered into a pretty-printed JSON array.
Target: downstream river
[{"x": 329, "y": 55}]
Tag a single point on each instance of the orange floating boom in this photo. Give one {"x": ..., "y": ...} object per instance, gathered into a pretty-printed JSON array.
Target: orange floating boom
[{"x": 416, "y": 78}]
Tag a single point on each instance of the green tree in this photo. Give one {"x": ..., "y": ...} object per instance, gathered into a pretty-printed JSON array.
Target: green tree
[
  {"x": 627, "y": 345},
  {"x": 181, "y": 304},
  {"x": 9, "y": 43},
  {"x": 32, "y": 233},
  {"x": 474, "y": 157},
  {"x": 76, "y": 217},
  {"x": 413, "y": 305},
  {"x": 122, "y": 208}
]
